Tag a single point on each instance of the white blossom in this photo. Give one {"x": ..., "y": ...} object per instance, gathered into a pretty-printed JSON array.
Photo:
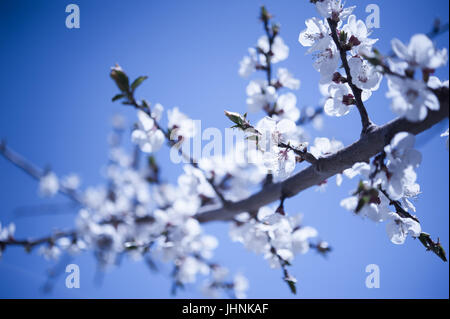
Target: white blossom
[
  {"x": 326, "y": 62},
  {"x": 333, "y": 9},
  {"x": 420, "y": 52},
  {"x": 399, "y": 228},
  {"x": 280, "y": 161},
  {"x": 340, "y": 100},
  {"x": 147, "y": 135},
  {"x": 280, "y": 50},
  {"x": 287, "y": 80},
  {"x": 272, "y": 232},
  {"x": 71, "y": 181},
  {"x": 364, "y": 76},
  {"x": 7, "y": 232},
  {"x": 248, "y": 64},
  {"x": 50, "y": 252},
  {"x": 260, "y": 95},
  {"x": 323, "y": 147},
  {"x": 286, "y": 107},
  {"x": 49, "y": 185},
  {"x": 411, "y": 98},
  {"x": 180, "y": 124},
  {"x": 189, "y": 268},
  {"x": 240, "y": 286},
  {"x": 358, "y": 35},
  {"x": 157, "y": 111},
  {"x": 316, "y": 36},
  {"x": 402, "y": 159}
]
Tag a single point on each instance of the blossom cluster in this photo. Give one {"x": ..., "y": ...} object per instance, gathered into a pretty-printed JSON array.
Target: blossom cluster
[
  {"x": 390, "y": 178},
  {"x": 353, "y": 41},
  {"x": 413, "y": 98}
]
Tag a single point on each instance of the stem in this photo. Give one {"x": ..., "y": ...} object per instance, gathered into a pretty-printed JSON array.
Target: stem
[
  {"x": 34, "y": 171},
  {"x": 365, "y": 121}
]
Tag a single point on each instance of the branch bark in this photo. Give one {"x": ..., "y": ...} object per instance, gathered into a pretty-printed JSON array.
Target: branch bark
[{"x": 366, "y": 147}]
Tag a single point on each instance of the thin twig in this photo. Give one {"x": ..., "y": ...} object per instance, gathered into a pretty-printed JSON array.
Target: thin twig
[
  {"x": 365, "y": 121},
  {"x": 34, "y": 171}
]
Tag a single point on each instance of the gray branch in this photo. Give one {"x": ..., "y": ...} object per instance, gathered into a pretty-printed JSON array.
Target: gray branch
[{"x": 366, "y": 147}]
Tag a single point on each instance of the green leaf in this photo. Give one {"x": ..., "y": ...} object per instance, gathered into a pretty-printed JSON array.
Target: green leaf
[
  {"x": 138, "y": 82},
  {"x": 343, "y": 37},
  {"x": 121, "y": 79},
  {"x": 439, "y": 250},
  {"x": 234, "y": 117},
  {"x": 291, "y": 284},
  {"x": 118, "y": 97},
  {"x": 362, "y": 201}
]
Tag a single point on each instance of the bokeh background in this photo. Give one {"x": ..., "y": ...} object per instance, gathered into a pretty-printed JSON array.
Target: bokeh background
[{"x": 56, "y": 110}]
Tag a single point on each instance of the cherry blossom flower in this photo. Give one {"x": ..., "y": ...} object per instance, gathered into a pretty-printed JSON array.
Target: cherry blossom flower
[
  {"x": 280, "y": 51},
  {"x": 73, "y": 247},
  {"x": 147, "y": 135},
  {"x": 280, "y": 161},
  {"x": 189, "y": 268},
  {"x": 358, "y": 35},
  {"x": 435, "y": 83},
  {"x": 287, "y": 80},
  {"x": 272, "y": 232},
  {"x": 340, "y": 101},
  {"x": 300, "y": 239},
  {"x": 157, "y": 112},
  {"x": 50, "y": 252},
  {"x": 248, "y": 64},
  {"x": 6, "y": 232},
  {"x": 49, "y": 185},
  {"x": 364, "y": 76},
  {"x": 359, "y": 168},
  {"x": 326, "y": 62},
  {"x": 420, "y": 52},
  {"x": 316, "y": 36},
  {"x": 180, "y": 125},
  {"x": 286, "y": 107},
  {"x": 323, "y": 147},
  {"x": 193, "y": 182},
  {"x": 333, "y": 9},
  {"x": 240, "y": 286},
  {"x": 71, "y": 181},
  {"x": 260, "y": 95},
  {"x": 399, "y": 228},
  {"x": 400, "y": 180},
  {"x": 411, "y": 98},
  {"x": 377, "y": 212}
]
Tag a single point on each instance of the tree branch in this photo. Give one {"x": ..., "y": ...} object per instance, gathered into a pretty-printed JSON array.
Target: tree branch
[
  {"x": 34, "y": 171},
  {"x": 366, "y": 147}
]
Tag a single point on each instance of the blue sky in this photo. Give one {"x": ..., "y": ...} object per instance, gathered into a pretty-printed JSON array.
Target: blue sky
[{"x": 56, "y": 110}]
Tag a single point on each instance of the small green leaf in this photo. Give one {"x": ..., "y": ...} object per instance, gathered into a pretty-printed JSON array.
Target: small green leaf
[
  {"x": 234, "y": 117},
  {"x": 441, "y": 252},
  {"x": 121, "y": 79},
  {"x": 343, "y": 37},
  {"x": 118, "y": 97},
  {"x": 138, "y": 82},
  {"x": 291, "y": 284}
]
